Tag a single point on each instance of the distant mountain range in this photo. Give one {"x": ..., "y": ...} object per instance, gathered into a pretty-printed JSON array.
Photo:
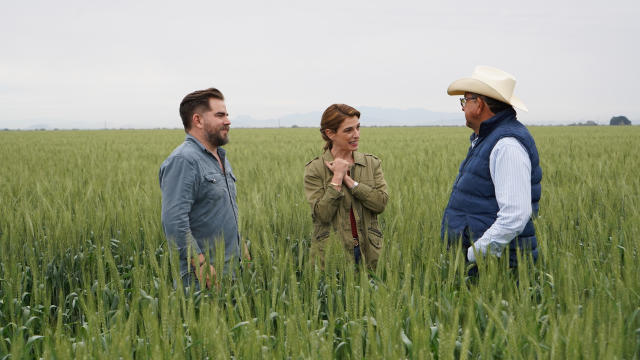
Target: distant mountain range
[{"x": 370, "y": 116}]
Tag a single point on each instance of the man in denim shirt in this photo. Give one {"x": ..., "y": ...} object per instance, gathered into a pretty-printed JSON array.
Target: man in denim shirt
[{"x": 199, "y": 209}]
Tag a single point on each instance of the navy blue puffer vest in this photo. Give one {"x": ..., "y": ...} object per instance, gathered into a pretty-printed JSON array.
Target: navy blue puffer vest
[{"x": 473, "y": 207}]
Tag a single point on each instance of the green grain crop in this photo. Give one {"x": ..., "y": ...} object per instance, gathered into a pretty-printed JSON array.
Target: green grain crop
[{"x": 85, "y": 271}]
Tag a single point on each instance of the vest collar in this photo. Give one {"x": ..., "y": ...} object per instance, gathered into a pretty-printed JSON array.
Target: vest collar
[{"x": 487, "y": 126}]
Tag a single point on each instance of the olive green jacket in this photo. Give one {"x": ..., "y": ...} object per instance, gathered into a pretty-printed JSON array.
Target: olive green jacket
[{"x": 330, "y": 208}]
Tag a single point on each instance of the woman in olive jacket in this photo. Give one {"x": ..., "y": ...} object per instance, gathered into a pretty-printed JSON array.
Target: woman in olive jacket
[{"x": 346, "y": 190}]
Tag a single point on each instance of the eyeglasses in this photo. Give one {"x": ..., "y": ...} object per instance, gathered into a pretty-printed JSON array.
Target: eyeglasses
[
  {"x": 221, "y": 115},
  {"x": 463, "y": 100}
]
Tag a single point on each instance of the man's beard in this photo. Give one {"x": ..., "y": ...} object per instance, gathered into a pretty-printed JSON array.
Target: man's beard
[{"x": 215, "y": 138}]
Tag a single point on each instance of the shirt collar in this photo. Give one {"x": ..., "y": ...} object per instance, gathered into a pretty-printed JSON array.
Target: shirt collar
[
  {"x": 192, "y": 139},
  {"x": 473, "y": 138}
]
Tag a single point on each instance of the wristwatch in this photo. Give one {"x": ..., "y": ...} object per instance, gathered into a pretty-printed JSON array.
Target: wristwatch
[{"x": 355, "y": 183}]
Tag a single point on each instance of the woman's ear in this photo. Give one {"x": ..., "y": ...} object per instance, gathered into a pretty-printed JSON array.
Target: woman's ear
[{"x": 330, "y": 133}]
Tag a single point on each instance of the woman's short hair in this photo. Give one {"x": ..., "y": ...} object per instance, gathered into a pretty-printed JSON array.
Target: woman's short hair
[{"x": 333, "y": 117}]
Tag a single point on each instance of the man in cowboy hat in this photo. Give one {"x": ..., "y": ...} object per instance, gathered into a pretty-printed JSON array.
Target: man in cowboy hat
[{"x": 497, "y": 189}]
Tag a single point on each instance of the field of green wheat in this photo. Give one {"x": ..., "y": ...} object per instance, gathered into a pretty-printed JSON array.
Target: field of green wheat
[{"x": 85, "y": 270}]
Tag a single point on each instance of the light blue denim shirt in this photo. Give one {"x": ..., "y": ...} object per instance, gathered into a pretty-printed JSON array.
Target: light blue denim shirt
[{"x": 199, "y": 208}]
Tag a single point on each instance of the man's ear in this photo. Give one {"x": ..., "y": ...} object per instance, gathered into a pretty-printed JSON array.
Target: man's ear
[
  {"x": 196, "y": 120},
  {"x": 484, "y": 107},
  {"x": 481, "y": 105}
]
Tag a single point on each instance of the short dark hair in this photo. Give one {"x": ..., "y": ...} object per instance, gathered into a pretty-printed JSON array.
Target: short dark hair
[
  {"x": 197, "y": 101},
  {"x": 495, "y": 105}
]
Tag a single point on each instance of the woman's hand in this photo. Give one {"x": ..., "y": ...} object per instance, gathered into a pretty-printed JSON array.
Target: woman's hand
[{"x": 339, "y": 168}]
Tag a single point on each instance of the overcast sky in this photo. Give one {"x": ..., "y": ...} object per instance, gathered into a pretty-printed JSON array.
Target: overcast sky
[{"x": 129, "y": 63}]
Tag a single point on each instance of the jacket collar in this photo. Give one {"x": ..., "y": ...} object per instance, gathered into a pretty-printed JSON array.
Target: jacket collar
[{"x": 358, "y": 157}]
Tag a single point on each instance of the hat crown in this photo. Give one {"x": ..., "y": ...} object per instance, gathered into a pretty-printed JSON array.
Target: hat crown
[
  {"x": 490, "y": 82},
  {"x": 501, "y": 81}
]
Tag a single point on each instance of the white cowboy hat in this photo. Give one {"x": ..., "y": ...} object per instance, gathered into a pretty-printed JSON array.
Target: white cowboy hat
[{"x": 491, "y": 82}]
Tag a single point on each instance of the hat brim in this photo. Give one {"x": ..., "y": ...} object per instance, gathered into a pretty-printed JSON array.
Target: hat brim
[{"x": 461, "y": 86}]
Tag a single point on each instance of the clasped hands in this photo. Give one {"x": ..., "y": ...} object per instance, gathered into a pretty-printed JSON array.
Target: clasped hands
[{"x": 339, "y": 168}]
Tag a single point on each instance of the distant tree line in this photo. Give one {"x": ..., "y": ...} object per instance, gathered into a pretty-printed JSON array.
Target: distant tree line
[
  {"x": 586, "y": 123},
  {"x": 616, "y": 120},
  {"x": 619, "y": 120}
]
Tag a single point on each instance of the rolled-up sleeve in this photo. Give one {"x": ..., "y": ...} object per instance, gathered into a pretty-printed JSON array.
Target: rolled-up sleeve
[
  {"x": 178, "y": 182},
  {"x": 510, "y": 168},
  {"x": 374, "y": 197}
]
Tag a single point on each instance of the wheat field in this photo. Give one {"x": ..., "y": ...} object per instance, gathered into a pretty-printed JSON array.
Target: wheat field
[{"x": 85, "y": 271}]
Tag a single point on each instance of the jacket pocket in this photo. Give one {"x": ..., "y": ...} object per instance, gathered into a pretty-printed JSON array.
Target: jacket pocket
[
  {"x": 321, "y": 236},
  {"x": 375, "y": 237}
]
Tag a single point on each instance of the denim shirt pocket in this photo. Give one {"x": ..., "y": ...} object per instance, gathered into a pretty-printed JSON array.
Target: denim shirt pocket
[{"x": 213, "y": 185}]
